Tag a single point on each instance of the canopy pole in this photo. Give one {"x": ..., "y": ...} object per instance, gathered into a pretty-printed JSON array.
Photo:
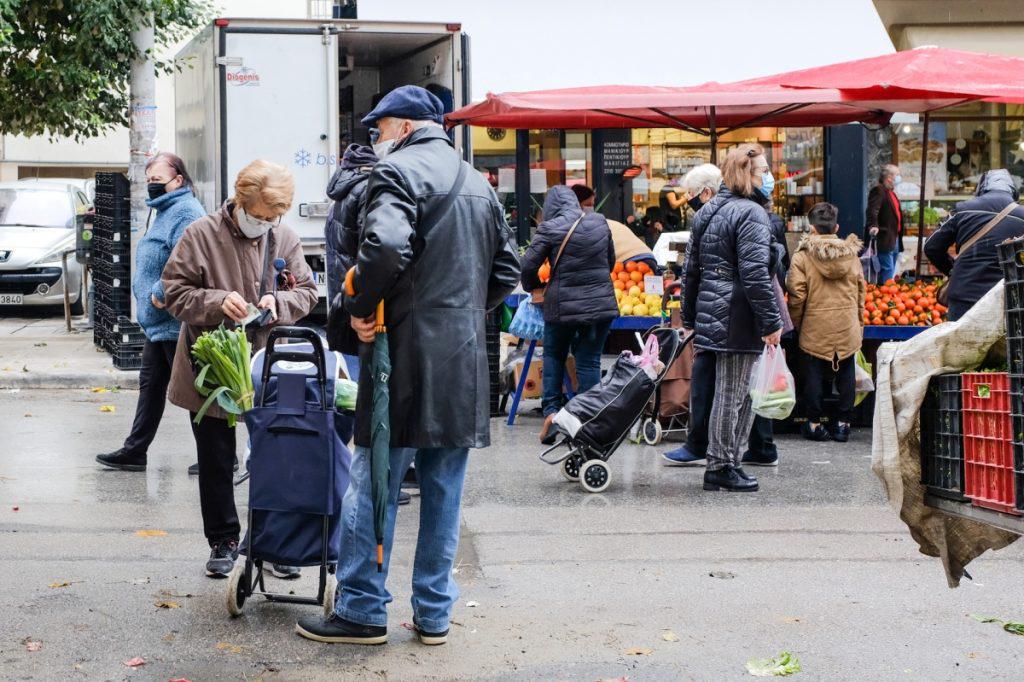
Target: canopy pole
[
  {"x": 713, "y": 136},
  {"x": 522, "y": 184},
  {"x": 920, "y": 206}
]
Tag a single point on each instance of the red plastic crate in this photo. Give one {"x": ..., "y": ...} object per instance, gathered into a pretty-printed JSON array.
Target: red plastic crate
[{"x": 988, "y": 441}]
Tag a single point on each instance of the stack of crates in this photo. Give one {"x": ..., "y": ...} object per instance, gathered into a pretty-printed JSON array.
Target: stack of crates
[
  {"x": 989, "y": 441},
  {"x": 493, "y": 322},
  {"x": 111, "y": 272},
  {"x": 942, "y": 441},
  {"x": 1011, "y": 257}
]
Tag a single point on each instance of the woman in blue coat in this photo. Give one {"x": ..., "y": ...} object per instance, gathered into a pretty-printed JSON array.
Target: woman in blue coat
[{"x": 171, "y": 197}]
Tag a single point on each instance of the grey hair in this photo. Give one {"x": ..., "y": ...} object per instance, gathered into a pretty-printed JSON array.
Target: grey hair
[
  {"x": 888, "y": 171},
  {"x": 416, "y": 125},
  {"x": 704, "y": 176}
]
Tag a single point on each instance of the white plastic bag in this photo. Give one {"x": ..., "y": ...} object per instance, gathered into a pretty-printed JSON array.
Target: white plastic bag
[{"x": 772, "y": 392}]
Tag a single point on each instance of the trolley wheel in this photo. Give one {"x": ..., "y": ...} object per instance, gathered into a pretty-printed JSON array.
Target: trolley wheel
[
  {"x": 652, "y": 431},
  {"x": 571, "y": 467},
  {"x": 595, "y": 476},
  {"x": 237, "y": 589},
  {"x": 330, "y": 592}
]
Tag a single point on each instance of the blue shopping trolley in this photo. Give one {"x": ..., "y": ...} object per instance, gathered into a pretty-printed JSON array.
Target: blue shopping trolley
[{"x": 298, "y": 469}]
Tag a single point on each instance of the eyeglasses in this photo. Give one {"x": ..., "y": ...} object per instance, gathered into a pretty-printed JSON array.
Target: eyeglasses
[
  {"x": 760, "y": 170},
  {"x": 374, "y": 135}
]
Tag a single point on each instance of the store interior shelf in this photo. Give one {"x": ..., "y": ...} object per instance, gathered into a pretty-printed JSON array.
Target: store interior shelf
[{"x": 990, "y": 517}]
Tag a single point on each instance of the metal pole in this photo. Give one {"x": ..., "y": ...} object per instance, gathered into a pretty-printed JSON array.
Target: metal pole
[
  {"x": 920, "y": 207},
  {"x": 67, "y": 294},
  {"x": 142, "y": 133},
  {"x": 713, "y": 136},
  {"x": 523, "y": 207}
]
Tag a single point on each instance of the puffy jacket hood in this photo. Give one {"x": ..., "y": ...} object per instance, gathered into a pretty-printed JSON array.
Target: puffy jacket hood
[
  {"x": 829, "y": 253},
  {"x": 561, "y": 201},
  {"x": 355, "y": 168},
  {"x": 998, "y": 180}
]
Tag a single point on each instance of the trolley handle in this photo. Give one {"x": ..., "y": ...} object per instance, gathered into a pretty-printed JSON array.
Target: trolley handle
[{"x": 316, "y": 357}]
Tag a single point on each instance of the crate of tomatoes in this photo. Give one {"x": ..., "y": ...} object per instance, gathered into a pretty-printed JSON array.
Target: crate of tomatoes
[{"x": 900, "y": 302}]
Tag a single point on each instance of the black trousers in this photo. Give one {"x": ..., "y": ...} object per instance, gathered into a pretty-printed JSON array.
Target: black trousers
[
  {"x": 215, "y": 445},
  {"x": 157, "y": 359},
  {"x": 702, "y": 394},
  {"x": 816, "y": 373}
]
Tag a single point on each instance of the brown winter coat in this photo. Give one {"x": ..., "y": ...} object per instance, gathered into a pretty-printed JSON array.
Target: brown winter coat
[
  {"x": 826, "y": 295},
  {"x": 213, "y": 259}
]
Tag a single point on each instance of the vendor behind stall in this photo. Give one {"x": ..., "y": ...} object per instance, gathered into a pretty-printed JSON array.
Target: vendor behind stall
[{"x": 628, "y": 247}]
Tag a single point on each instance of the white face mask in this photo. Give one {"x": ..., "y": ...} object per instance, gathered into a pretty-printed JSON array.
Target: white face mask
[
  {"x": 253, "y": 228},
  {"x": 382, "y": 149}
]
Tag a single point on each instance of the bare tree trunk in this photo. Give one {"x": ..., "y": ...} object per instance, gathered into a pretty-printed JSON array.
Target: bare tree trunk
[{"x": 142, "y": 133}]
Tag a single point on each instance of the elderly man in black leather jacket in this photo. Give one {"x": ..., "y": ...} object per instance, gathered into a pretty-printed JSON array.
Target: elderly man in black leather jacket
[{"x": 437, "y": 250}]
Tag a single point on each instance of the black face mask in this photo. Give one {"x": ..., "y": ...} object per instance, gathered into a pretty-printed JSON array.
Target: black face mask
[
  {"x": 695, "y": 202},
  {"x": 156, "y": 189}
]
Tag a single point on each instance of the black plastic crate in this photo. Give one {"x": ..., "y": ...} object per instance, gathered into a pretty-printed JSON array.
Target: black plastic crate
[
  {"x": 1011, "y": 259},
  {"x": 117, "y": 267},
  {"x": 127, "y": 357},
  {"x": 116, "y": 208},
  {"x": 1015, "y": 356},
  {"x": 114, "y": 281},
  {"x": 942, "y": 443},
  {"x": 118, "y": 299},
  {"x": 128, "y": 332},
  {"x": 111, "y": 251},
  {"x": 112, "y": 184}
]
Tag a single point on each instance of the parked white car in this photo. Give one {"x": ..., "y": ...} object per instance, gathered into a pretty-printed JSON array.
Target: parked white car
[{"x": 38, "y": 220}]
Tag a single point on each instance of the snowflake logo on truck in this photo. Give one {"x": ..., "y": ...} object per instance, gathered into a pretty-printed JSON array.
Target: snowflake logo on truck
[{"x": 302, "y": 158}]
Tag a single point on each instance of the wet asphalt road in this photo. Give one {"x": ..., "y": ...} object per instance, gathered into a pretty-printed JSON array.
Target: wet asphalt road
[{"x": 567, "y": 585}]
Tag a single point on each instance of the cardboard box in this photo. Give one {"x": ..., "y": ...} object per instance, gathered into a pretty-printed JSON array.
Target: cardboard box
[{"x": 534, "y": 387}]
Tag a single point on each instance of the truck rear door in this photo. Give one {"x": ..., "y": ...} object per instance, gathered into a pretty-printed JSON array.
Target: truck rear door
[{"x": 280, "y": 104}]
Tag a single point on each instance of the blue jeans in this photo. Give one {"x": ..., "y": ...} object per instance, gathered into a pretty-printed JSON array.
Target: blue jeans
[
  {"x": 887, "y": 263},
  {"x": 586, "y": 341},
  {"x": 362, "y": 594}
]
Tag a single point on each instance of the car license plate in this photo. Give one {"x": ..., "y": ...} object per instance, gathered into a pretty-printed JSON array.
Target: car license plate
[
  {"x": 11, "y": 299},
  {"x": 321, "y": 283}
]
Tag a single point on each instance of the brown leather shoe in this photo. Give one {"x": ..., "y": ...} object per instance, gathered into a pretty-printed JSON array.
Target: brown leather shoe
[{"x": 547, "y": 432}]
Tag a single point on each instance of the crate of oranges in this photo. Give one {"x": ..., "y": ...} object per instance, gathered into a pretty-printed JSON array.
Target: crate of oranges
[
  {"x": 898, "y": 302},
  {"x": 628, "y": 280}
]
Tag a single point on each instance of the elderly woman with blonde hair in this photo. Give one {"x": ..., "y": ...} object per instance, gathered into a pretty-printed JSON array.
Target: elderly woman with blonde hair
[{"x": 223, "y": 264}]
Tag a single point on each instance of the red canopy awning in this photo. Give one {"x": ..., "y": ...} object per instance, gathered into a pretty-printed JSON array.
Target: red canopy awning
[
  {"x": 701, "y": 108},
  {"x": 931, "y": 71}
]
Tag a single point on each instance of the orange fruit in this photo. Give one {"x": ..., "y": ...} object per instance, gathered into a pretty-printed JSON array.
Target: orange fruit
[
  {"x": 619, "y": 284},
  {"x": 618, "y": 267},
  {"x": 624, "y": 276},
  {"x": 643, "y": 267},
  {"x": 630, "y": 267},
  {"x": 903, "y": 320},
  {"x": 635, "y": 275}
]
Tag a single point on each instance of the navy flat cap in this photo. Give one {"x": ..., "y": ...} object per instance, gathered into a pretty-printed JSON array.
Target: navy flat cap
[{"x": 410, "y": 102}]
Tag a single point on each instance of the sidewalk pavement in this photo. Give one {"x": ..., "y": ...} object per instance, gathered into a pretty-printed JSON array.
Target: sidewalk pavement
[{"x": 41, "y": 353}]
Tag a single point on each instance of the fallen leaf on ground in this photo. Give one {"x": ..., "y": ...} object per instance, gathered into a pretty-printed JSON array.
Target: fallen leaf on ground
[
  {"x": 168, "y": 605},
  {"x": 168, "y": 593},
  {"x": 639, "y": 651},
  {"x": 135, "y": 662},
  {"x": 1014, "y": 627},
  {"x": 782, "y": 665},
  {"x": 790, "y": 619},
  {"x": 230, "y": 648},
  {"x": 624, "y": 678},
  {"x": 669, "y": 636},
  {"x": 150, "y": 533},
  {"x": 985, "y": 619},
  {"x": 99, "y": 389},
  {"x": 28, "y": 414},
  {"x": 41, "y": 344},
  {"x": 32, "y": 644},
  {"x": 15, "y": 508},
  {"x": 107, "y": 408},
  {"x": 724, "y": 575},
  {"x": 24, "y": 368},
  {"x": 180, "y": 679},
  {"x": 975, "y": 654},
  {"x": 64, "y": 583},
  {"x": 408, "y": 626},
  {"x": 472, "y": 604}
]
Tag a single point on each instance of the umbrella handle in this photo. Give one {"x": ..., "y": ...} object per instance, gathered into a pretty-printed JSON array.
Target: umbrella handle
[{"x": 350, "y": 289}]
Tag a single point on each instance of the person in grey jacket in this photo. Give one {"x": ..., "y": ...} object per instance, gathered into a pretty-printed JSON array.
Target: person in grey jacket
[
  {"x": 729, "y": 301},
  {"x": 171, "y": 196},
  {"x": 438, "y": 266}
]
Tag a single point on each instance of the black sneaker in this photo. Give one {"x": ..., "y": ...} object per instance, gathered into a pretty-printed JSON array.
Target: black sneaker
[
  {"x": 404, "y": 498},
  {"x": 430, "y": 638},
  {"x": 193, "y": 470},
  {"x": 285, "y": 572},
  {"x": 119, "y": 459},
  {"x": 222, "y": 559},
  {"x": 729, "y": 479},
  {"x": 841, "y": 433},
  {"x": 336, "y": 630},
  {"x": 819, "y": 433},
  {"x": 760, "y": 459}
]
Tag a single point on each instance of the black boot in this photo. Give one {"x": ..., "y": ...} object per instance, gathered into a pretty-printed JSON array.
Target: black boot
[
  {"x": 818, "y": 433},
  {"x": 841, "y": 433},
  {"x": 122, "y": 460},
  {"x": 729, "y": 479}
]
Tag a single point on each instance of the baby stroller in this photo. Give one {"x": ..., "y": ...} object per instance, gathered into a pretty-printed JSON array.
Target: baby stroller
[
  {"x": 298, "y": 469},
  {"x": 595, "y": 423},
  {"x": 669, "y": 412}
]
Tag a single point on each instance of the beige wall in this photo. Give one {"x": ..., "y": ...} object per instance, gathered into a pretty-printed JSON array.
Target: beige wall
[{"x": 995, "y": 26}]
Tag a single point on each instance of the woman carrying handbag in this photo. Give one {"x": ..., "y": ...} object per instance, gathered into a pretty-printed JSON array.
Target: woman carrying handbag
[{"x": 579, "y": 299}]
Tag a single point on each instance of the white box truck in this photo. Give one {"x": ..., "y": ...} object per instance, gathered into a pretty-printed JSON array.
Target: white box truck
[{"x": 293, "y": 92}]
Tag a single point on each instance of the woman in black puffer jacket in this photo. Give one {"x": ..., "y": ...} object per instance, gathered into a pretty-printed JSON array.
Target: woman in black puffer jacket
[
  {"x": 579, "y": 304},
  {"x": 730, "y": 303}
]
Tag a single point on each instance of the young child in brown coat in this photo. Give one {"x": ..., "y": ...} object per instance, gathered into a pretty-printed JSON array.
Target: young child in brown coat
[{"x": 826, "y": 296}]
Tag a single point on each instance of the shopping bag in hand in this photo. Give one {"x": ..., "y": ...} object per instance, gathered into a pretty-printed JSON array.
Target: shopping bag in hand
[
  {"x": 864, "y": 383},
  {"x": 528, "y": 322},
  {"x": 869, "y": 261},
  {"x": 772, "y": 393}
]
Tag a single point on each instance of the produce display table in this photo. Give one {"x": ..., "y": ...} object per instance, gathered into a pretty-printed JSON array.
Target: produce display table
[{"x": 891, "y": 332}]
